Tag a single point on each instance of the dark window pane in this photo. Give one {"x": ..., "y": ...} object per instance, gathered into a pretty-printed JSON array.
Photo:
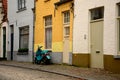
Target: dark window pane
[
  {"x": 48, "y": 32},
  {"x": 48, "y": 20},
  {"x": 24, "y": 41},
  {"x": 67, "y": 30},
  {"x": 21, "y": 4},
  {"x": 4, "y": 30},
  {"x": 97, "y": 13},
  {"x": 118, "y": 10},
  {"x": 24, "y": 37}
]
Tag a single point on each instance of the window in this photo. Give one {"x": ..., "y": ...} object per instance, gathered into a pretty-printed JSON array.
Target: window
[
  {"x": 66, "y": 17},
  {"x": 97, "y": 13},
  {"x": 67, "y": 30},
  {"x": 48, "y": 32},
  {"x": 21, "y": 4},
  {"x": 24, "y": 37},
  {"x": 66, "y": 23}
]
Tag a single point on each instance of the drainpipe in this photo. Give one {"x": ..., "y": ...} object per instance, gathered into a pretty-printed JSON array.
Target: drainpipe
[
  {"x": 33, "y": 9},
  {"x": 72, "y": 8}
]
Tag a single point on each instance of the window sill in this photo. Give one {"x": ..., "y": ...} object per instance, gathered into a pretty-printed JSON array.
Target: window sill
[
  {"x": 116, "y": 56},
  {"x": 66, "y": 36},
  {"x": 118, "y": 17},
  {"x": 68, "y": 23},
  {"x": 22, "y": 53},
  {"x": 96, "y": 20},
  {"x": 20, "y": 10}
]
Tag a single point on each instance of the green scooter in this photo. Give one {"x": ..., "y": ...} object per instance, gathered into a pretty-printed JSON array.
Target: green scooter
[{"x": 42, "y": 56}]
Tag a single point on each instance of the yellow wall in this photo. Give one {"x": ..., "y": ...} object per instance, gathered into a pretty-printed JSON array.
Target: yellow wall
[{"x": 47, "y": 8}]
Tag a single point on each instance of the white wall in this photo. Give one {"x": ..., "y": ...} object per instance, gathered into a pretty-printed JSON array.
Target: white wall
[
  {"x": 1, "y": 42},
  {"x": 82, "y": 25},
  {"x": 20, "y": 19}
]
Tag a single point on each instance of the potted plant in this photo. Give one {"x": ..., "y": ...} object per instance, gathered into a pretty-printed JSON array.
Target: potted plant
[{"x": 22, "y": 51}]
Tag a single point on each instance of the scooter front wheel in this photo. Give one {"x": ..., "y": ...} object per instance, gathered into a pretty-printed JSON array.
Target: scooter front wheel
[
  {"x": 36, "y": 61},
  {"x": 48, "y": 61}
]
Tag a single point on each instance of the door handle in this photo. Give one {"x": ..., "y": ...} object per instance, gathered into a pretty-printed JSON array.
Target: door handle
[{"x": 97, "y": 51}]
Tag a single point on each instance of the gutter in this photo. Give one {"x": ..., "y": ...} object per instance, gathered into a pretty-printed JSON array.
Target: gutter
[{"x": 62, "y": 2}]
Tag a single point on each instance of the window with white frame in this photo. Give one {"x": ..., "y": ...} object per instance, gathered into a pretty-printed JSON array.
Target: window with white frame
[
  {"x": 118, "y": 29},
  {"x": 97, "y": 13},
  {"x": 24, "y": 37},
  {"x": 66, "y": 17},
  {"x": 21, "y": 4},
  {"x": 48, "y": 32},
  {"x": 66, "y": 23}
]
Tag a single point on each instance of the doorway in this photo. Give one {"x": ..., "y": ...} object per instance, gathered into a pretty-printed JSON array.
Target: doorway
[
  {"x": 12, "y": 40},
  {"x": 4, "y": 42},
  {"x": 66, "y": 50},
  {"x": 96, "y": 30}
]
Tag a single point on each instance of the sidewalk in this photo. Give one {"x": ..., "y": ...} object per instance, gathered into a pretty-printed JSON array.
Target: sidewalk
[{"x": 85, "y": 73}]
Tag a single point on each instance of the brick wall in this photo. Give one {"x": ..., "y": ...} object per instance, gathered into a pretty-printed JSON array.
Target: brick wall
[{"x": 4, "y": 4}]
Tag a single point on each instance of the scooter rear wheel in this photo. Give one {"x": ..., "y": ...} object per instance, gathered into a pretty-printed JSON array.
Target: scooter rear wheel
[{"x": 45, "y": 61}]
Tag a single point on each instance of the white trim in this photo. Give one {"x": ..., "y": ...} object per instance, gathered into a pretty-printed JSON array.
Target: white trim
[
  {"x": 66, "y": 25},
  {"x": 67, "y": 17},
  {"x": 118, "y": 30},
  {"x": 118, "y": 52},
  {"x": 97, "y": 20},
  {"x": 48, "y": 26}
]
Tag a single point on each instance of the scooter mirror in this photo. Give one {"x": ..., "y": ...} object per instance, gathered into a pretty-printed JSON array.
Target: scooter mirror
[{"x": 41, "y": 46}]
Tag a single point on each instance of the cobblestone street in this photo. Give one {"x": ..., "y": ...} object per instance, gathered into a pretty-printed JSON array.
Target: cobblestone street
[
  {"x": 11, "y": 73},
  {"x": 29, "y": 71}
]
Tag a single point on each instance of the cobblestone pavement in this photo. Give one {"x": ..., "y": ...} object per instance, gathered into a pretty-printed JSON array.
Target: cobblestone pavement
[
  {"x": 85, "y": 73},
  {"x": 13, "y": 73}
]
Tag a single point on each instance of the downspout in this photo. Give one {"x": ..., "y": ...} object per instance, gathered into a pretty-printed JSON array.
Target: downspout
[
  {"x": 33, "y": 9},
  {"x": 72, "y": 7}
]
